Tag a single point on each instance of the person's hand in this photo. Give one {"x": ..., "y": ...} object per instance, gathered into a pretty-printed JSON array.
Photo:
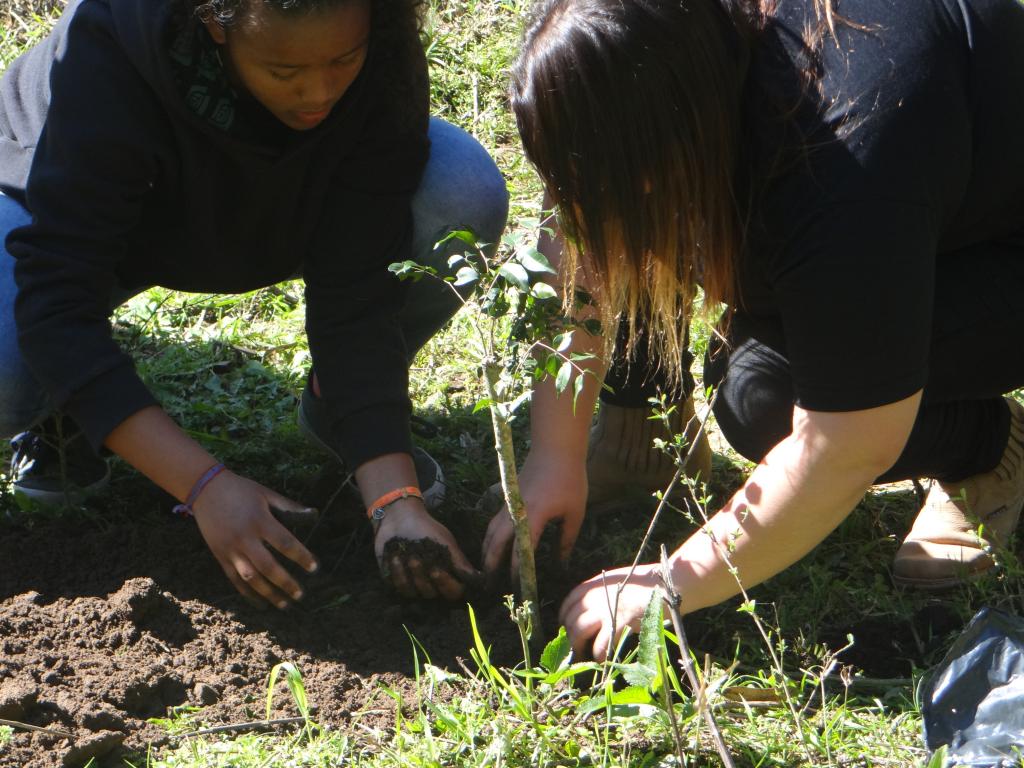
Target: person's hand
[
  {"x": 552, "y": 489},
  {"x": 423, "y": 559},
  {"x": 233, "y": 514},
  {"x": 587, "y": 612}
]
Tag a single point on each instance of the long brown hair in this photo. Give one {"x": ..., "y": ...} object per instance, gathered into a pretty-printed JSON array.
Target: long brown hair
[{"x": 632, "y": 112}]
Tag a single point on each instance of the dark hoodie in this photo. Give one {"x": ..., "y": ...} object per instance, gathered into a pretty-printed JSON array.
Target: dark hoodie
[{"x": 129, "y": 187}]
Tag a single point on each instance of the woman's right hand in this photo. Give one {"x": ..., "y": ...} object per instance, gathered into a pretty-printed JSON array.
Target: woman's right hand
[
  {"x": 234, "y": 515},
  {"x": 553, "y": 487}
]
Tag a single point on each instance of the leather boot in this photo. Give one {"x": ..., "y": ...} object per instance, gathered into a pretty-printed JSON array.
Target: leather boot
[
  {"x": 944, "y": 548},
  {"x": 624, "y": 465}
]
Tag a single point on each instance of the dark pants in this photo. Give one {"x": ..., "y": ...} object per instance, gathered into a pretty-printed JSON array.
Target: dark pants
[{"x": 977, "y": 355}]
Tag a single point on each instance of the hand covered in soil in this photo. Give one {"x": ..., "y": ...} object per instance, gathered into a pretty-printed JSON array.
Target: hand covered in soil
[
  {"x": 586, "y": 613},
  {"x": 552, "y": 489},
  {"x": 233, "y": 514},
  {"x": 419, "y": 556}
]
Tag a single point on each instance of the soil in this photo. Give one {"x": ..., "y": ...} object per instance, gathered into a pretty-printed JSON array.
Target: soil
[
  {"x": 433, "y": 556},
  {"x": 109, "y": 621},
  {"x": 106, "y": 625}
]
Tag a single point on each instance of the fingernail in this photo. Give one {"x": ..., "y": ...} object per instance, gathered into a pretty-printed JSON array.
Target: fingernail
[
  {"x": 313, "y": 568},
  {"x": 297, "y": 594},
  {"x": 283, "y": 604},
  {"x": 310, "y": 510}
]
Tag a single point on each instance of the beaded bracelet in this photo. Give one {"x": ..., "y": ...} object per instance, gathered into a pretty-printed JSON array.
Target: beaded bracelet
[{"x": 186, "y": 508}]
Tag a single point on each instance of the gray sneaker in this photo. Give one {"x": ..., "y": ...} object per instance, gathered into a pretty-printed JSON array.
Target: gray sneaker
[
  {"x": 54, "y": 464},
  {"x": 312, "y": 418}
]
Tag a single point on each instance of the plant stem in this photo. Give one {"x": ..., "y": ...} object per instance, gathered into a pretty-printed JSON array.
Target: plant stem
[
  {"x": 672, "y": 599},
  {"x": 513, "y": 499}
]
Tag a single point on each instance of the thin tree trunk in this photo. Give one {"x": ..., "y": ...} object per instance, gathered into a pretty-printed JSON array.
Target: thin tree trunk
[{"x": 513, "y": 499}]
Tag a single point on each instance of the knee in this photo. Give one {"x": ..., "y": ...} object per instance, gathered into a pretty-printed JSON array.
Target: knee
[
  {"x": 22, "y": 401},
  {"x": 753, "y": 399},
  {"x": 461, "y": 187},
  {"x": 21, "y": 407}
]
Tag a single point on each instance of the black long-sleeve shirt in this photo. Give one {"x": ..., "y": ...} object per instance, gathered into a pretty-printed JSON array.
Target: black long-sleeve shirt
[{"x": 128, "y": 187}]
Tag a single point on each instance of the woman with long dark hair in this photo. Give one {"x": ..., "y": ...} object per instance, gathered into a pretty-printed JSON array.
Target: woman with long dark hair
[
  {"x": 220, "y": 146},
  {"x": 848, "y": 181}
]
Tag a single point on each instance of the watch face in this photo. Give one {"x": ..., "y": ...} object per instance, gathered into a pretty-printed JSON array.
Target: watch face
[{"x": 378, "y": 513}]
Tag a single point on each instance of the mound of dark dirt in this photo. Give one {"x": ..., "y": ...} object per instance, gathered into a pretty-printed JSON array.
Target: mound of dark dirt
[{"x": 104, "y": 626}]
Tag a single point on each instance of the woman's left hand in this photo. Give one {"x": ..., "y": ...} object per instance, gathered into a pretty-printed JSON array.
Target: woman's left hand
[{"x": 587, "y": 612}]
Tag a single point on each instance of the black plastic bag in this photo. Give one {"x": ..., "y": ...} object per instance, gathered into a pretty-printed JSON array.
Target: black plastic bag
[{"x": 974, "y": 700}]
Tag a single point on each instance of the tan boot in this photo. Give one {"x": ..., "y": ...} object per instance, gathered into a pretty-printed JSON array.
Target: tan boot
[
  {"x": 943, "y": 548},
  {"x": 624, "y": 465}
]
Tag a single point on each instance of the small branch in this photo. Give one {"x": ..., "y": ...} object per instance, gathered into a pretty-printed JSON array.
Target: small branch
[
  {"x": 673, "y": 600},
  {"x": 36, "y": 728},
  {"x": 254, "y": 725}
]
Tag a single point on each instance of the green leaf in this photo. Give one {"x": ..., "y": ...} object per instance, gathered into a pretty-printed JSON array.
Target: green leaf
[
  {"x": 564, "y": 374},
  {"x": 515, "y": 274},
  {"x": 466, "y": 275},
  {"x": 481, "y": 404},
  {"x": 402, "y": 268},
  {"x": 455, "y": 259},
  {"x": 639, "y": 675},
  {"x": 543, "y": 291},
  {"x": 577, "y": 388},
  {"x": 650, "y": 632},
  {"x": 293, "y": 678},
  {"x": 556, "y": 652},
  {"x": 534, "y": 261},
  {"x": 464, "y": 235},
  {"x": 938, "y": 759},
  {"x": 563, "y": 341},
  {"x": 632, "y": 695},
  {"x": 571, "y": 671}
]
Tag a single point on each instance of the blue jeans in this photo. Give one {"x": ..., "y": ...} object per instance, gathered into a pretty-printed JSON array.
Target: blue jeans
[{"x": 461, "y": 189}]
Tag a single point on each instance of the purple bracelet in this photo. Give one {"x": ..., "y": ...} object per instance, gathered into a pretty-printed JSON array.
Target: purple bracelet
[{"x": 186, "y": 508}]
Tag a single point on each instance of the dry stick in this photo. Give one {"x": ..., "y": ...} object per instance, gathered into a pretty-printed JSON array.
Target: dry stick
[
  {"x": 613, "y": 609},
  {"x": 673, "y": 600},
  {"x": 513, "y": 497},
  {"x": 723, "y": 553},
  {"x": 254, "y": 725},
  {"x": 27, "y": 727}
]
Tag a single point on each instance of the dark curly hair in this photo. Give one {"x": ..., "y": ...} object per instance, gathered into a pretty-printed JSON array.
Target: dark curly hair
[{"x": 396, "y": 46}]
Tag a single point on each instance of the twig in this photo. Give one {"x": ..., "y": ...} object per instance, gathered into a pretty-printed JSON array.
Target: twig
[
  {"x": 253, "y": 725},
  {"x": 677, "y": 478},
  {"x": 27, "y": 727},
  {"x": 673, "y": 600}
]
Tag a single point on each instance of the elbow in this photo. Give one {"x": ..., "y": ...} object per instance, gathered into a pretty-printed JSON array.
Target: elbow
[{"x": 865, "y": 443}]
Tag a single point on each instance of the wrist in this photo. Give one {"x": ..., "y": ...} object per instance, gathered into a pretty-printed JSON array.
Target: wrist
[{"x": 399, "y": 512}]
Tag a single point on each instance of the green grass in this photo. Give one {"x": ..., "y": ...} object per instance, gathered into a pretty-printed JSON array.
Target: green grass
[{"x": 229, "y": 369}]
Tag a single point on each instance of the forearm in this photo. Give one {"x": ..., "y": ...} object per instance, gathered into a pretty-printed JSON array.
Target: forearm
[
  {"x": 802, "y": 490},
  {"x": 155, "y": 445},
  {"x": 560, "y": 422}
]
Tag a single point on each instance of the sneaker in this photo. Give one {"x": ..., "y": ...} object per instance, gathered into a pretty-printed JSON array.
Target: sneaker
[
  {"x": 944, "y": 548},
  {"x": 37, "y": 469},
  {"x": 312, "y": 418},
  {"x": 622, "y": 462}
]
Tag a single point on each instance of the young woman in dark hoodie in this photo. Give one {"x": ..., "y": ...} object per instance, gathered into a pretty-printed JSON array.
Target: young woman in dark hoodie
[
  {"x": 848, "y": 178},
  {"x": 221, "y": 146}
]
